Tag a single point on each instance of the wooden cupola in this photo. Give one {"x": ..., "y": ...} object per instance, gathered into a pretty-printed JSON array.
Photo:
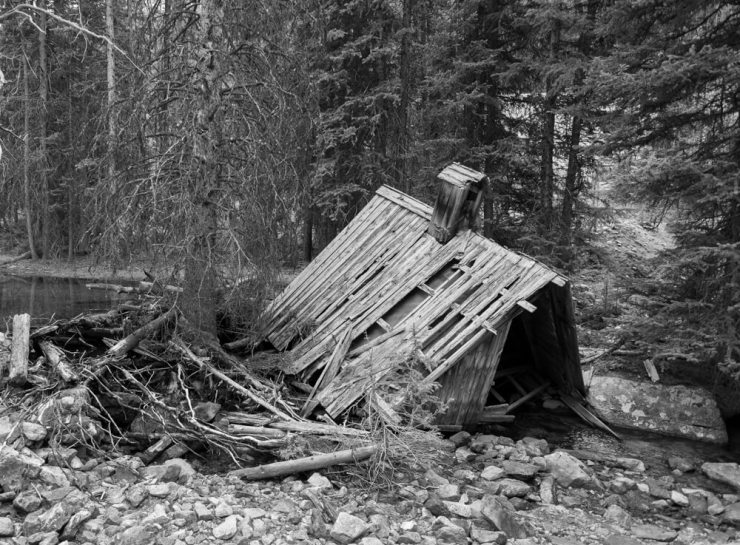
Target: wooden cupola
[{"x": 458, "y": 200}]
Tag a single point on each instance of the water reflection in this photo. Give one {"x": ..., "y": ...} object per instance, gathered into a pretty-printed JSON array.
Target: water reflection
[{"x": 44, "y": 297}]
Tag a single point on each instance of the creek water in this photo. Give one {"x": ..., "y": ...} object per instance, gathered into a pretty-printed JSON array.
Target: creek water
[{"x": 45, "y": 298}]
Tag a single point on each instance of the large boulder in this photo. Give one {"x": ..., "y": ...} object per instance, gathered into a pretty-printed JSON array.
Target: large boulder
[
  {"x": 728, "y": 473},
  {"x": 680, "y": 411}
]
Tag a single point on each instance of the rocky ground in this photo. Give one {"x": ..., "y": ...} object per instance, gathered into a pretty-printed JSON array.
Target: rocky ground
[{"x": 485, "y": 489}]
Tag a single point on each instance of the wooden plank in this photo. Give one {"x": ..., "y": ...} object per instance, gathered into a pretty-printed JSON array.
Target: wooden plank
[
  {"x": 577, "y": 407},
  {"x": 18, "y": 372},
  {"x": 534, "y": 393},
  {"x": 408, "y": 202},
  {"x": 517, "y": 385},
  {"x": 486, "y": 418},
  {"x": 651, "y": 370},
  {"x": 331, "y": 369},
  {"x": 454, "y": 358},
  {"x": 526, "y": 305}
]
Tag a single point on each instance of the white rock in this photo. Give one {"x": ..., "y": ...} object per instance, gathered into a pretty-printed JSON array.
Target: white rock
[
  {"x": 317, "y": 480},
  {"x": 728, "y": 473},
  {"x": 7, "y": 528},
  {"x": 679, "y": 499},
  {"x": 227, "y": 529},
  {"x": 348, "y": 528},
  {"x": 568, "y": 470},
  {"x": 33, "y": 431},
  {"x": 491, "y": 473}
]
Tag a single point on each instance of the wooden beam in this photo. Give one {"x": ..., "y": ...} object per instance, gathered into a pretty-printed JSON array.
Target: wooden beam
[
  {"x": 311, "y": 463},
  {"x": 19, "y": 349}
]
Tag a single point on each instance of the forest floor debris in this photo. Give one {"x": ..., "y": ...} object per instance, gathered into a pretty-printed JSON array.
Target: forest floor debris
[{"x": 140, "y": 379}]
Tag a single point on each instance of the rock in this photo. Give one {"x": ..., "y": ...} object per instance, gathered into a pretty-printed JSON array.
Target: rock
[
  {"x": 136, "y": 535},
  {"x": 461, "y": 510},
  {"x": 732, "y": 513},
  {"x": 71, "y": 528},
  {"x": 33, "y": 431},
  {"x": 657, "y": 489},
  {"x": 451, "y": 535},
  {"x": 227, "y": 529},
  {"x": 631, "y": 464},
  {"x": 679, "y": 499},
  {"x": 465, "y": 475},
  {"x": 568, "y": 470},
  {"x": 519, "y": 470},
  {"x": 728, "y": 473},
  {"x": 437, "y": 506},
  {"x": 186, "y": 470},
  {"x": 433, "y": 478},
  {"x": 698, "y": 503},
  {"x": 44, "y": 538},
  {"x": 223, "y": 510},
  {"x": 511, "y": 488},
  {"x": 136, "y": 495},
  {"x": 27, "y": 502},
  {"x": 206, "y": 410},
  {"x": 158, "y": 490},
  {"x": 317, "y": 480},
  {"x": 620, "y": 485},
  {"x": 682, "y": 464},
  {"x": 50, "y": 520},
  {"x": 491, "y": 473},
  {"x": 348, "y": 528},
  {"x": 680, "y": 411},
  {"x": 253, "y": 513},
  {"x": 547, "y": 490},
  {"x": 618, "y": 516},
  {"x": 534, "y": 447},
  {"x": 372, "y": 540},
  {"x": 464, "y": 455},
  {"x": 7, "y": 528},
  {"x": 162, "y": 473},
  {"x": 460, "y": 439},
  {"x": 449, "y": 492},
  {"x": 487, "y": 536},
  {"x": 54, "y": 475},
  {"x": 17, "y": 469},
  {"x": 495, "y": 512},
  {"x": 653, "y": 532}
]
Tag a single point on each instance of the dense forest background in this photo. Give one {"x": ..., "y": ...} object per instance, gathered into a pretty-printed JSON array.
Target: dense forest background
[{"x": 224, "y": 136}]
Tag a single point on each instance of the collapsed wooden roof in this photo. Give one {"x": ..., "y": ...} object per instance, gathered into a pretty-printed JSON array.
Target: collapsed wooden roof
[{"x": 384, "y": 282}]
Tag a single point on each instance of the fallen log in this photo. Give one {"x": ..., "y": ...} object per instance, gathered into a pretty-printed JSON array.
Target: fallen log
[
  {"x": 58, "y": 361},
  {"x": 26, "y": 255},
  {"x": 125, "y": 345},
  {"x": 118, "y": 288},
  {"x": 18, "y": 374},
  {"x": 311, "y": 463}
]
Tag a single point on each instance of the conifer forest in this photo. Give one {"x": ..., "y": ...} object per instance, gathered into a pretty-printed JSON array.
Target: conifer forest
[{"x": 228, "y": 139}]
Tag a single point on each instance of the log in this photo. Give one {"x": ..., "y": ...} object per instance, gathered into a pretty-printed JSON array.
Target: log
[
  {"x": 125, "y": 345},
  {"x": 311, "y": 463},
  {"x": 19, "y": 351},
  {"x": 21, "y": 257},
  {"x": 45, "y": 330},
  {"x": 110, "y": 287},
  {"x": 58, "y": 361}
]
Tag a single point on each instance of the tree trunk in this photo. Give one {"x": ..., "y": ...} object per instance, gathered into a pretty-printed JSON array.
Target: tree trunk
[
  {"x": 547, "y": 174},
  {"x": 308, "y": 215},
  {"x": 111, "y": 78},
  {"x": 27, "y": 159},
  {"x": 44, "y": 217},
  {"x": 406, "y": 75},
  {"x": 572, "y": 187},
  {"x": 200, "y": 273}
]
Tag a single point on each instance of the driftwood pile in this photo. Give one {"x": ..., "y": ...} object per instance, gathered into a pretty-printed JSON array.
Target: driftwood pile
[{"x": 140, "y": 379}]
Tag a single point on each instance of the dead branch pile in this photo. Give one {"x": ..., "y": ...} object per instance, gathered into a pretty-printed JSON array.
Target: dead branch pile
[{"x": 140, "y": 378}]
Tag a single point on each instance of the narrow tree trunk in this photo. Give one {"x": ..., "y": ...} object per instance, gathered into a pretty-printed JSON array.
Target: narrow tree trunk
[
  {"x": 547, "y": 174},
  {"x": 402, "y": 142},
  {"x": 572, "y": 187},
  {"x": 111, "y": 77},
  {"x": 45, "y": 217},
  {"x": 27, "y": 159},
  {"x": 308, "y": 214}
]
